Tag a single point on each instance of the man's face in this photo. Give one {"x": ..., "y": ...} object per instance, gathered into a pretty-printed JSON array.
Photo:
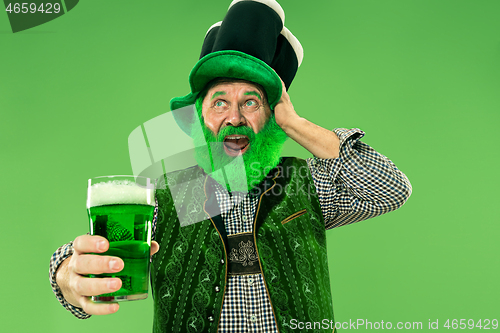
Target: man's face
[
  {"x": 244, "y": 140},
  {"x": 235, "y": 104}
]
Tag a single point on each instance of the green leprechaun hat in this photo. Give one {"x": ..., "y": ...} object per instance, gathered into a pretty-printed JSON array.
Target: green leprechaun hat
[{"x": 252, "y": 44}]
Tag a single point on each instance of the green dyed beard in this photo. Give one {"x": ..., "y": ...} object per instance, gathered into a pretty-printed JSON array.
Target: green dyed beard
[{"x": 261, "y": 156}]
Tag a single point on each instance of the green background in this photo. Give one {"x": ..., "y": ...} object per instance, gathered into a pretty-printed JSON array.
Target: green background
[{"x": 420, "y": 77}]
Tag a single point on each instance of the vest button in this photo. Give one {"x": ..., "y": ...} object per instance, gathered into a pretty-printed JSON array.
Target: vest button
[
  {"x": 210, "y": 318},
  {"x": 222, "y": 261},
  {"x": 217, "y": 289},
  {"x": 253, "y": 318}
]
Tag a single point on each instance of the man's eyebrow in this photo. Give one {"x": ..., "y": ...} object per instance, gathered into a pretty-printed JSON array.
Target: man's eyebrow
[
  {"x": 253, "y": 93},
  {"x": 218, "y": 93}
]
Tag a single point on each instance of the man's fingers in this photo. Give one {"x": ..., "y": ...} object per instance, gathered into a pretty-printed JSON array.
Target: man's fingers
[
  {"x": 89, "y": 244},
  {"x": 98, "y": 308},
  {"x": 154, "y": 247},
  {"x": 95, "y": 264},
  {"x": 84, "y": 286}
]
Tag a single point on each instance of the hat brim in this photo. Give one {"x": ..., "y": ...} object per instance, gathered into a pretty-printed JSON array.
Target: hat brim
[{"x": 228, "y": 64}]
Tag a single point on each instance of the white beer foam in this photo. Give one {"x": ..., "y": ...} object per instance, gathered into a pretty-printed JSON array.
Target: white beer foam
[{"x": 119, "y": 192}]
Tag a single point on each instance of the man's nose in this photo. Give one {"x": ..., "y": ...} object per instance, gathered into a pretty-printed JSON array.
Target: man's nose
[{"x": 235, "y": 117}]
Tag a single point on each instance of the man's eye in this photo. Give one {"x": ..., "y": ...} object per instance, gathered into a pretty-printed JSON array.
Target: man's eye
[
  {"x": 251, "y": 103},
  {"x": 220, "y": 104}
]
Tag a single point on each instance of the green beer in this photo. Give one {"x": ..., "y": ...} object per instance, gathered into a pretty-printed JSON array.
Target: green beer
[{"x": 122, "y": 212}]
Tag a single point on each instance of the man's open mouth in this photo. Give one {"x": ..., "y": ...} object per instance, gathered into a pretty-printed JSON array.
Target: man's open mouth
[{"x": 236, "y": 144}]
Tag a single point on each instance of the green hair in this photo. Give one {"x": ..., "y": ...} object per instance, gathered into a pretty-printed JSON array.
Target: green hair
[{"x": 199, "y": 104}]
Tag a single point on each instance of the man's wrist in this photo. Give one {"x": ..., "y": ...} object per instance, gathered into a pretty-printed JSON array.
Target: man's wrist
[{"x": 292, "y": 124}]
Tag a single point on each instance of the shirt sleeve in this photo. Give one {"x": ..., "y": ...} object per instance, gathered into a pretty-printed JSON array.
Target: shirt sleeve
[
  {"x": 360, "y": 184},
  {"x": 57, "y": 258}
]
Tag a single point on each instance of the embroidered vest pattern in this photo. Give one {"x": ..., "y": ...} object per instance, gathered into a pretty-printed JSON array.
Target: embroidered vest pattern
[{"x": 245, "y": 255}]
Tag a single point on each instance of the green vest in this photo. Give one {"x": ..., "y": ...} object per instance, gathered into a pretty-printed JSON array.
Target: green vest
[{"x": 189, "y": 273}]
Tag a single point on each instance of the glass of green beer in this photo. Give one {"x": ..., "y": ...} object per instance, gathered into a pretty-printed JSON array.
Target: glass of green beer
[{"x": 121, "y": 209}]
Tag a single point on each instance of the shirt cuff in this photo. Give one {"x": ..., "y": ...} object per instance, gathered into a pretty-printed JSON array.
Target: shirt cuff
[
  {"x": 155, "y": 218},
  {"x": 345, "y": 134},
  {"x": 330, "y": 167},
  {"x": 57, "y": 258}
]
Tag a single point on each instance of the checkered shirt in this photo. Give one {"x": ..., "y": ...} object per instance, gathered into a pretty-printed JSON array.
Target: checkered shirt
[
  {"x": 358, "y": 185},
  {"x": 246, "y": 306}
]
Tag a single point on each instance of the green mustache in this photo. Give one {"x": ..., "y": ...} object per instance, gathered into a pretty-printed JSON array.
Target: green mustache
[{"x": 231, "y": 130}]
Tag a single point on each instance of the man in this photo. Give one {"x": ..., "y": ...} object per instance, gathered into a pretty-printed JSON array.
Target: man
[{"x": 255, "y": 257}]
